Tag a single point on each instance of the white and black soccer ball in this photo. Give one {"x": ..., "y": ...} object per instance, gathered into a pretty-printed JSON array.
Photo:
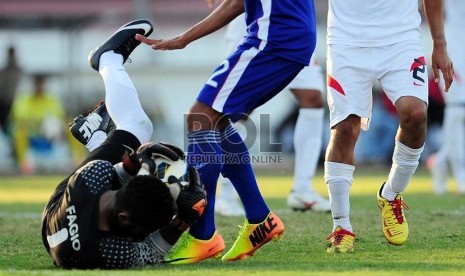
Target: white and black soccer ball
[{"x": 166, "y": 168}]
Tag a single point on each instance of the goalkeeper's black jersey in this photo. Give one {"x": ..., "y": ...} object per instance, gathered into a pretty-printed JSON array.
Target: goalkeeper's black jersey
[{"x": 69, "y": 225}]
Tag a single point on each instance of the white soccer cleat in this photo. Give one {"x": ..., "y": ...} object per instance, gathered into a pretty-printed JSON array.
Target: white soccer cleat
[
  {"x": 308, "y": 201},
  {"x": 230, "y": 207}
]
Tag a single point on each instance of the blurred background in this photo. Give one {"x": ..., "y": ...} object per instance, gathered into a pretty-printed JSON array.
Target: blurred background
[{"x": 43, "y": 50}]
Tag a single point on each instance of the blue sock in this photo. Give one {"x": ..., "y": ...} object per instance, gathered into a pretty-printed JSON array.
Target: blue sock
[
  {"x": 204, "y": 153},
  {"x": 238, "y": 169}
]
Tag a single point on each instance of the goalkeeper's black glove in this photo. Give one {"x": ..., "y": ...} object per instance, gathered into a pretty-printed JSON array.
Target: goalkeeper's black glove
[
  {"x": 190, "y": 200},
  {"x": 147, "y": 153}
]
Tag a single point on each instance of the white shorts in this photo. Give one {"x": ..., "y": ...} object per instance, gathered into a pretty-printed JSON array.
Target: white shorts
[
  {"x": 352, "y": 71},
  {"x": 311, "y": 77}
]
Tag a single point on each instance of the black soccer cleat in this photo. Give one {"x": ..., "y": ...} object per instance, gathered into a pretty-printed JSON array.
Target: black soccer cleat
[
  {"x": 123, "y": 41},
  {"x": 83, "y": 127}
]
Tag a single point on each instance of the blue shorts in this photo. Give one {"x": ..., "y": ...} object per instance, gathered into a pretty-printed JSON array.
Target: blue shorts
[{"x": 246, "y": 80}]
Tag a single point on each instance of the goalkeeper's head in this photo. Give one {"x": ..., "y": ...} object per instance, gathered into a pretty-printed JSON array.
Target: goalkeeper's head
[{"x": 142, "y": 206}]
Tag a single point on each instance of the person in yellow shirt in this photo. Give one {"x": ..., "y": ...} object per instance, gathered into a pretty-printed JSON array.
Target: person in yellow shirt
[{"x": 38, "y": 123}]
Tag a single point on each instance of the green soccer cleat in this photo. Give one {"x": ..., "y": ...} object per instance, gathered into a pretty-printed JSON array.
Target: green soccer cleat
[
  {"x": 395, "y": 226},
  {"x": 253, "y": 236},
  {"x": 189, "y": 250},
  {"x": 341, "y": 241}
]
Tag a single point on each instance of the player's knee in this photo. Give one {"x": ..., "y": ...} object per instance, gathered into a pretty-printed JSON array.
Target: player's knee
[
  {"x": 311, "y": 103},
  {"x": 414, "y": 117},
  {"x": 347, "y": 131},
  {"x": 145, "y": 129},
  {"x": 202, "y": 117},
  {"x": 147, "y": 125},
  {"x": 198, "y": 121},
  {"x": 308, "y": 98},
  {"x": 412, "y": 113}
]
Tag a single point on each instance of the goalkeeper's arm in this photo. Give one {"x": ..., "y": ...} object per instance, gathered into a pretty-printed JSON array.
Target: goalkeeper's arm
[{"x": 191, "y": 202}]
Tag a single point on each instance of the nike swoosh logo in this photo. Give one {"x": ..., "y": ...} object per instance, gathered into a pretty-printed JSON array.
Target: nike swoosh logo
[
  {"x": 175, "y": 260},
  {"x": 214, "y": 247},
  {"x": 199, "y": 166},
  {"x": 129, "y": 148},
  {"x": 308, "y": 205},
  {"x": 143, "y": 26}
]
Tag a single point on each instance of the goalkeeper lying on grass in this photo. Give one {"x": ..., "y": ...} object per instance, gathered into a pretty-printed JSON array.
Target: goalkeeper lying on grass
[{"x": 104, "y": 215}]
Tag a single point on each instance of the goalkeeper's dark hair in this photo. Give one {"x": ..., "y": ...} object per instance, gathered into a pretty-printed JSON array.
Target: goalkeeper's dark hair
[{"x": 149, "y": 203}]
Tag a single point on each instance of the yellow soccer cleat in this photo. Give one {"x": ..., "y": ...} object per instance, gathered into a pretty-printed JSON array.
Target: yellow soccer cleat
[
  {"x": 189, "y": 250},
  {"x": 395, "y": 226},
  {"x": 253, "y": 236},
  {"x": 341, "y": 241}
]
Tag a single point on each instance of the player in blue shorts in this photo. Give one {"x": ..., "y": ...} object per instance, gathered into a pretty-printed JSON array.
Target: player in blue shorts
[
  {"x": 308, "y": 89},
  {"x": 280, "y": 40}
]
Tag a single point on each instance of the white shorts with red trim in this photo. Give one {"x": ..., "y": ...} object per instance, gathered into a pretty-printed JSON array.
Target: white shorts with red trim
[{"x": 352, "y": 72}]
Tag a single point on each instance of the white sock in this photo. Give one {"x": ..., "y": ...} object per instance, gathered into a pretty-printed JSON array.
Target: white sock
[
  {"x": 97, "y": 138},
  {"x": 339, "y": 178},
  {"x": 404, "y": 165},
  {"x": 439, "y": 171},
  {"x": 308, "y": 137},
  {"x": 454, "y": 143},
  {"x": 121, "y": 98}
]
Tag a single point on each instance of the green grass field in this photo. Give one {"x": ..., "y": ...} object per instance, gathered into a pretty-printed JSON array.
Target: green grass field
[{"x": 435, "y": 246}]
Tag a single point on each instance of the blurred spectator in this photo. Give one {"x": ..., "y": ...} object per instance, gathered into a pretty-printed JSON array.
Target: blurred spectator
[
  {"x": 285, "y": 130},
  {"x": 10, "y": 75},
  {"x": 451, "y": 154},
  {"x": 435, "y": 117},
  {"x": 38, "y": 121}
]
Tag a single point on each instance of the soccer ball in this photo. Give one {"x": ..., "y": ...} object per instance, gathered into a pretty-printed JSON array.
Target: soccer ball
[{"x": 166, "y": 168}]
